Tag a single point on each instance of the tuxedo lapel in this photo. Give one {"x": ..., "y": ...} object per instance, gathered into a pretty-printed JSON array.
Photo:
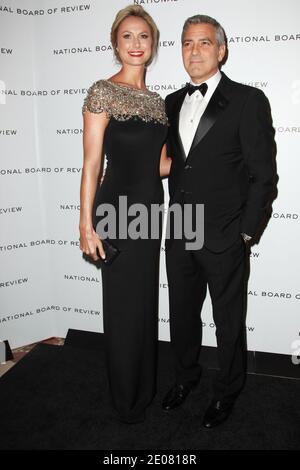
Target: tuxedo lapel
[
  {"x": 175, "y": 122},
  {"x": 214, "y": 109}
]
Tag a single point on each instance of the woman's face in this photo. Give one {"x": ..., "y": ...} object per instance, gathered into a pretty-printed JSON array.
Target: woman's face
[{"x": 134, "y": 41}]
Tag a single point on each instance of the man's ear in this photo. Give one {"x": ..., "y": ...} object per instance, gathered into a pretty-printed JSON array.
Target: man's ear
[{"x": 222, "y": 52}]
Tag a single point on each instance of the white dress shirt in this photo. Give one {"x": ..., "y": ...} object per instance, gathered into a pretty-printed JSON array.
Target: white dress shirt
[{"x": 192, "y": 109}]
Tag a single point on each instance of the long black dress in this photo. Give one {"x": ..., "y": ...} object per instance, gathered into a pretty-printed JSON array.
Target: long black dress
[{"x": 133, "y": 141}]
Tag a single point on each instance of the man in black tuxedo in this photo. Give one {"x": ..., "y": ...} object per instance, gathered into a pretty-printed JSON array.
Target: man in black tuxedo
[{"x": 222, "y": 146}]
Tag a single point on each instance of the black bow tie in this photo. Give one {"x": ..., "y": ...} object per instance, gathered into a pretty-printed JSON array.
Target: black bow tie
[{"x": 191, "y": 88}]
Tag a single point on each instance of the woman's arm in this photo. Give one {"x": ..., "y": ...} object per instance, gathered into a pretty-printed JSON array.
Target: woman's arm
[
  {"x": 165, "y": 162},
  {"x": 94, "y": 125}
]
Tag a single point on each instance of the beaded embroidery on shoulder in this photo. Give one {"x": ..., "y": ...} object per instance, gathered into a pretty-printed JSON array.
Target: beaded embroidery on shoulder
[{"x": 123, "y": 102}]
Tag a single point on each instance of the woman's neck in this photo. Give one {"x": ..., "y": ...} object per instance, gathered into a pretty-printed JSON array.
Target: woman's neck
[{"x": 131, "y": 76}]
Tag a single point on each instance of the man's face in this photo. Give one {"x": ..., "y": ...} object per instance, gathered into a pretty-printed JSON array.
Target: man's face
[{"x": 200, "y": 52}]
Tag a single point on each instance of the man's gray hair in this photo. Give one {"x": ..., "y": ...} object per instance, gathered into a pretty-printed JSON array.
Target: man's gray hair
[{"x": 200, "y": 19}]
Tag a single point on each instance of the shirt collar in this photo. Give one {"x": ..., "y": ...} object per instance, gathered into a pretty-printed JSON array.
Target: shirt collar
[
  {"x": 211, "y": 80},
  {"x": 212, "y": 83}
]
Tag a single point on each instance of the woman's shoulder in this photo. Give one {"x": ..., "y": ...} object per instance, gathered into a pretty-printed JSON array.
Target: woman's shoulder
[
  {"x": 124, "y": 102},
  {"x": 158, "y": 97},
  {"x": 99, "y": 86},
  {"x": 97, "y": 98}
]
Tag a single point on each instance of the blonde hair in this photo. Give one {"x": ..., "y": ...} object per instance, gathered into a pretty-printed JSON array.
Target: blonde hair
[{"x": 138, "y": 11}]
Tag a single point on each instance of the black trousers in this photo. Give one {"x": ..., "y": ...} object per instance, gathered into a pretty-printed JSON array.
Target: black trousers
[{"x": 189, "y": 274}]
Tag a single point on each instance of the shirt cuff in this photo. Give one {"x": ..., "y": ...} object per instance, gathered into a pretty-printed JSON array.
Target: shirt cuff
[{"x": 246, "y": 237}]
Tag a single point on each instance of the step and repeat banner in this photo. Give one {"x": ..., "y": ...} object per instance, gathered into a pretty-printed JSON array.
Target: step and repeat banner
[{"x": 50, "y": 53}]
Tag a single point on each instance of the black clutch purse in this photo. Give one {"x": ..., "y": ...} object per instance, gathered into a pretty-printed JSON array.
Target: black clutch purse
[{"x": 111, "y": 252}]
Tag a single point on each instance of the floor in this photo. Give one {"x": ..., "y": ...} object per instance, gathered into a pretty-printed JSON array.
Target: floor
[
  {"x": 58, "y": 398},
  {"x": 19, "y": 353}
]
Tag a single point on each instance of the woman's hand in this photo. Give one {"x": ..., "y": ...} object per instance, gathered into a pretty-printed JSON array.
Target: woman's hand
[
  {"x": 165, "y": 163},
  {"x": 94, "y": 126},
  {"x": 90, "y": 242}
]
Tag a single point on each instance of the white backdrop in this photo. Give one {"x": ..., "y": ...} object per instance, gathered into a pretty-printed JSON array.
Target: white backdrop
[{"x": 50, "y": 53}]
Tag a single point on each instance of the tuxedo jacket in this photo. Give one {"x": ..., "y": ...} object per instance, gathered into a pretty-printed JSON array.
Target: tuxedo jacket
[{"x": 230, "y": 168}]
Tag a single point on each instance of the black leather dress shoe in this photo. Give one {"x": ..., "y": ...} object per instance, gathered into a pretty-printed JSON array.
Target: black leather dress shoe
[
  {"x": 176, "y": 396},
  {"x": 131, "y": 419},
  {"x": 216, "y": 413}
]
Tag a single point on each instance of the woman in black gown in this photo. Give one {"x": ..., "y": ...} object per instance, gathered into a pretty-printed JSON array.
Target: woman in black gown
[{"x": 127, "y": 123}]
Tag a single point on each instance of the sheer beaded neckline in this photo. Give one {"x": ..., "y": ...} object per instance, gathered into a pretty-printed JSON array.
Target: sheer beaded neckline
[
  {"x": 123, "y": 102},
  {"x": 128, "y": 87}
]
